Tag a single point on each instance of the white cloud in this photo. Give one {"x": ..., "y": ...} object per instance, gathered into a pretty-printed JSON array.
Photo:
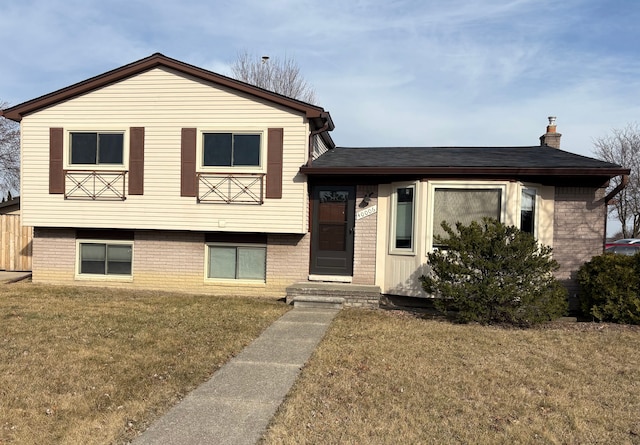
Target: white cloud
[{"x": 394, "y": 72}]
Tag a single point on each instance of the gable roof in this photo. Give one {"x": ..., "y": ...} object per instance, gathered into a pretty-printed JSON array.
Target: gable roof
[
  {"x": 316, "y": 115},
  {"x": 532, "y": 161}
]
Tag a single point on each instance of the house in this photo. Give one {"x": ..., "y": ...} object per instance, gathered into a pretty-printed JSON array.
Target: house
[{"x": 163, "y": 175}]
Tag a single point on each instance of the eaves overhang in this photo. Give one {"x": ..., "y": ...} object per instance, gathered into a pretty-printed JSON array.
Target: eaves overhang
[{"x": 315, "y": 114}]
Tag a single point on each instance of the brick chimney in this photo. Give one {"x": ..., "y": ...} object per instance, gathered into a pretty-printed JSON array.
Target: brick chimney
[{"x": 551, "y": 137}]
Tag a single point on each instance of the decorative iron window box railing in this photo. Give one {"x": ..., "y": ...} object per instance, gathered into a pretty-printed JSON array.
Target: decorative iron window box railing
[
  {"x": 231, "y": 188},
  {"x": 96, "y": 185}
]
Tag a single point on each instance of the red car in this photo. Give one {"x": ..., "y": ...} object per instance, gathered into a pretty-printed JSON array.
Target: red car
[
  {"x": 624, "y": 241},
  {"x": 623, "y": 249}
]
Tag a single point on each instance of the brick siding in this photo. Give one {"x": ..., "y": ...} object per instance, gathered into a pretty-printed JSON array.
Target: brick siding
[
  {"x": 173, "y": 261},
  {"x": 578, "y": 234},
  {"x": 364, "y": 255}
]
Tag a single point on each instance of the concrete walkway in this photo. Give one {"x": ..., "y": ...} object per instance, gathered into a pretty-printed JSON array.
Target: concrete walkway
[
  {"x": 12, "y": 277},
  {"x": 237, "y": 403}
]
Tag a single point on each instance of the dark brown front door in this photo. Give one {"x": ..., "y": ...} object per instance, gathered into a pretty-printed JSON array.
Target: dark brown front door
[{"x": 333, "y": 216}]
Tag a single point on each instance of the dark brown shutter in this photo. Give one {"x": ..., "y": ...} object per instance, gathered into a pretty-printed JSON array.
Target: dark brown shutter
[
  {"x": 136, "y": 161},
  {"x": 188, "y": 162},
  {"x": 56, "y": 162},
  {"x": 274, "y": 163}
]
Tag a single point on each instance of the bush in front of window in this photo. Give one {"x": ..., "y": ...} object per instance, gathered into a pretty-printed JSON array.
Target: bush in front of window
[
  {"x": 610, "y": 288},
  {"x": 494, "y": 274}
]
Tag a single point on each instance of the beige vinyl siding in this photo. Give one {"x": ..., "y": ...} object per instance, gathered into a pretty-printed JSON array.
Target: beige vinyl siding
[
  {"x": 319, "y": 147},
  {"x": 163, "y": 102}
]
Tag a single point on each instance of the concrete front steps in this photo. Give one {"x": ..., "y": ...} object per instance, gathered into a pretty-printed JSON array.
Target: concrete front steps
[{"x": 332, "y": 295}]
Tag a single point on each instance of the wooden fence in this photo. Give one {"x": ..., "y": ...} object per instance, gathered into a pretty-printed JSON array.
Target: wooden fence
[{"x": 17, "y": 241}]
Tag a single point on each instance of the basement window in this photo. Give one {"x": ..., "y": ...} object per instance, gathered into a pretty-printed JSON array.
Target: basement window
[
  {"x": 237, "y": 262},
  {"x": 99, "y": 258}
]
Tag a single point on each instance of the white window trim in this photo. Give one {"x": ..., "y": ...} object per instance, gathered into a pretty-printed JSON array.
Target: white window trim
[
  {"x": 463, "y": 185},
  {"x": 537, "y": 203},
  {"x": 97, "y": 167},
  {"x": 103, "y": 277},
  {"x": 207, "y": 257},
  {"x": 393, "y": 250},
  {"x": 262, "y": 168}
]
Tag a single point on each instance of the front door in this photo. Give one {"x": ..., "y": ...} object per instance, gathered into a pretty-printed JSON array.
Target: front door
[{"x": 333, "y": 217}]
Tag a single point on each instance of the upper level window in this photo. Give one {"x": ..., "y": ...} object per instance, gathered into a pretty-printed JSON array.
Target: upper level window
[
  {"x": 96, "y": 148},
  {"x": 231, "y": 150},
  {"x": 528, "y": 211},
  {"x": 464, "y": 205}
]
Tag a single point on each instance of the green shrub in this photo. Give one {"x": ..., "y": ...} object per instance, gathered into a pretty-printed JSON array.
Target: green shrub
[
  {"x": 493, "y": 273},
  {"x": 610, "y": 288}
]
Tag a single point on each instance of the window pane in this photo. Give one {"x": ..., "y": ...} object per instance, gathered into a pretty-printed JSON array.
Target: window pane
[
  {"x": 404, "y": 218},
  {"x": 119, "y": 259},
  {"x": 92, "y": 258},
  {"x": 83, "y": 148},
  {"x": 528, "y": 211},
  {"x": 217, "y": 149},
  {"x": 246, "y": 149},
  {"x": 110, "y": 148},
  {"x": 464, "y": 205},
  {"x": 222, "y": 262},
  {"x": 251, "y": 263}
]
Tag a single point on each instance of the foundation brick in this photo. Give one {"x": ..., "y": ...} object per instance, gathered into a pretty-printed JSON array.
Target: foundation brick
[{"x": 171, "y": 261}]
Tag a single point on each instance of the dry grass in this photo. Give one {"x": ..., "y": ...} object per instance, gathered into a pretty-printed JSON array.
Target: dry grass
[
  {"x": 387, "y": 378},
  {"x": 93, "y": 366}
]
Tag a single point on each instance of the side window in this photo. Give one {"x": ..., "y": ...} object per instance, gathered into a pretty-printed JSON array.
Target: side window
[
  {"x": 92, "y": 148},
  {"x": 231, "y": 150},
  {"x": 528, "y": 211},
  {"x": 403, "y": 219}
]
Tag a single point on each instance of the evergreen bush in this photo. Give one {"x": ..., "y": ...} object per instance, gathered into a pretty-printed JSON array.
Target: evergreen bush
[
  {"x": 610, "y": 288},
  {"x": 493, "y": 273}
]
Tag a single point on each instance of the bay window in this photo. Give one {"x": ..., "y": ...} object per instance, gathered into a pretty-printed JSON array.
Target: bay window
[{"x": 464, "y": 205}]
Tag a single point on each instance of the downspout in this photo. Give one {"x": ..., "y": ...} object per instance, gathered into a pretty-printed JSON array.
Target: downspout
[
  {"x": 325, "y": 127},
  {"x": 612, "y": 194}
]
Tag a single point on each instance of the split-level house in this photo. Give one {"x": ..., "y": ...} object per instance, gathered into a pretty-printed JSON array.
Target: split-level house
[{"x": 163, "y": 175}]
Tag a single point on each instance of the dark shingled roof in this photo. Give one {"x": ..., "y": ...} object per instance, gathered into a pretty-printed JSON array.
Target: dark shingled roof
[
  {"x": 539, "y": 157},
  {"x": 543, "y": 164}
]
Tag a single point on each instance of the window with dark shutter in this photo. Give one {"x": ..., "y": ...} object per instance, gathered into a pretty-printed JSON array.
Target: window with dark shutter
[
  {"x": 136, "y": 161},
  {"x": 56, "y": 162},
  {"x": 274, "y": 163},
  {"x": 188, "y": 162}
]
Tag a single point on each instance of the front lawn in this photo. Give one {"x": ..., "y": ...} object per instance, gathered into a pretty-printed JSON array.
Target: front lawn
[
  {"x": 93, "y": 366},
  {"x": 392, "y": 378}
]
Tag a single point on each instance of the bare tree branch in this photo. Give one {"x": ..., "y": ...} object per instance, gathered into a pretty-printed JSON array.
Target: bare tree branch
[
  {"x": 622, "y": 147},
  {"x": 281, "y": 76},
  {"x": 9, "y": 156}
]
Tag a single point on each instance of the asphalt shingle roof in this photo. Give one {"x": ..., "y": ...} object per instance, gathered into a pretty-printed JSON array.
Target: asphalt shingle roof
[{"x": 540, "y": 157}]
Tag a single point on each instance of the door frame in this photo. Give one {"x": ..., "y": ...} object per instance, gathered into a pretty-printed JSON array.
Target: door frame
[{"x": 315, "y": 252}]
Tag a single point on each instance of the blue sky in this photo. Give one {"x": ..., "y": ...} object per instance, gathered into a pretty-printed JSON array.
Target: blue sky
[{"x": 391, "y": 72}]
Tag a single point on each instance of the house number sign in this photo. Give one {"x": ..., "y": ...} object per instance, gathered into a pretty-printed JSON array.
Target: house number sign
[{"x": 366, "y": 212}]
